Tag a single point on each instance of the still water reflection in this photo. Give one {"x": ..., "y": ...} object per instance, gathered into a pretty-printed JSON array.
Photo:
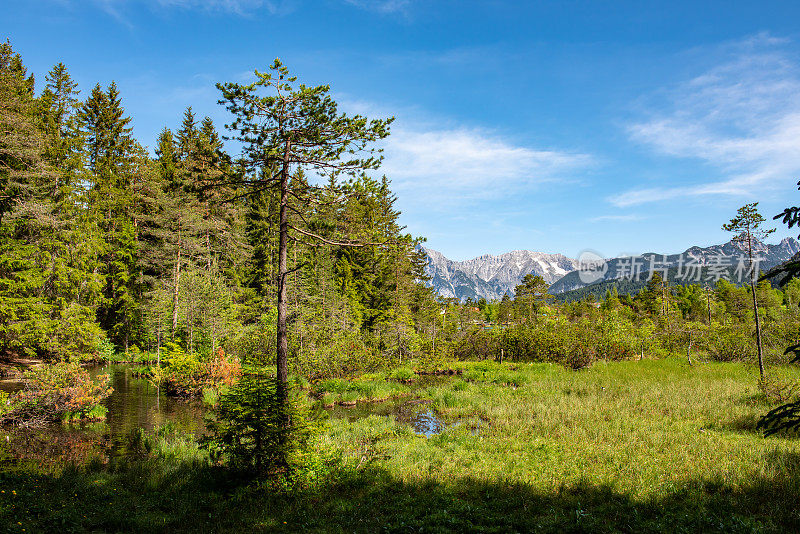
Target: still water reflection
[{"x": 135, "y": 403}]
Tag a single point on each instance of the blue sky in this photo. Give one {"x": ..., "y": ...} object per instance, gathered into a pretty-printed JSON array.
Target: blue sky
[{"x": 622, "y": 127}]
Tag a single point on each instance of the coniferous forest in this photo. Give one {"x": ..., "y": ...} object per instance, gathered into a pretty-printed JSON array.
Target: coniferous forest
[
  {"x": 108, "y": 247},
  {"x": 229, "y": 329}
]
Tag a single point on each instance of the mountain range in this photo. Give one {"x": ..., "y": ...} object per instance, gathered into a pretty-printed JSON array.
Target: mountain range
[{"x": 491, "y": 277}]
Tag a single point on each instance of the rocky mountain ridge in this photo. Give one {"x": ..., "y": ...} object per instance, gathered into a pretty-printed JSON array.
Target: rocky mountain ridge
[{"x": 491, "y": 276}]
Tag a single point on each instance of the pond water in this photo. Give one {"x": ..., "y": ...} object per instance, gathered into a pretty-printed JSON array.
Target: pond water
[
  {"x": 417, "y": 414},
  {"x": 136, "y": 403}
]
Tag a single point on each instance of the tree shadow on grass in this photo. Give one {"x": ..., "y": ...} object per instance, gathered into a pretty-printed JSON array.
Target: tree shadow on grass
[
  {"x": 159, "y": 496},
  {"x": 746, "y": 423}
]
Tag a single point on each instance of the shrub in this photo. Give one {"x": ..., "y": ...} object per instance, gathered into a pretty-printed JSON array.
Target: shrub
[
  {"x": 62, "y": 390},
  {"x": 345, "y": 354},
  {"x": 180, "y": 362},
  {"x": 255, "y": 343},
  {"x": 105, "y": 349},
  {"x": 581, "y": 355},
  {"x": 251, "y": 430},
  {"x": 185, "y": 375},
  {"x": 478, "y": 343},
  {"x": 617, "y": 338},
  {"x": 222, "y": 369},
  {"x": 730, "y": 343}
]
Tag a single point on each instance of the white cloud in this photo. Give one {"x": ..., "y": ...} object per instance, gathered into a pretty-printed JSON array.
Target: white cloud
[
  {"x": 246, "y": 7},
  {"x": 617, "y": 218},
  {"x": 239, "y": 7},
  {"x": 115, "y": 8},
  {"x": 442, "y": 164},
  {"x": 461, "y": 164},
  {"x": 742, "y": 118},
  {"x": 381, "y": 6},
  {"x": 111, "y": 8}
]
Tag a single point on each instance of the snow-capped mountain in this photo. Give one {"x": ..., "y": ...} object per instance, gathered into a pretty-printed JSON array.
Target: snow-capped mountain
[
  {"x": 693, "y": 262},
  {"x": 491, "y": 276}
]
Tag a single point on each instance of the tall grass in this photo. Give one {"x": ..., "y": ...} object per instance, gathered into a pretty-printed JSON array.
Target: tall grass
[{"x": 622, "y": 446}]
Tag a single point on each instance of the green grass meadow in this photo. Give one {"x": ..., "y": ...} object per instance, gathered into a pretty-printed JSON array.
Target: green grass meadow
[{"x": 651, "y": 445}]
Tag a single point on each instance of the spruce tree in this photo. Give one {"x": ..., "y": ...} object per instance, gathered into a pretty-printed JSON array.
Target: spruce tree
[
  {"x": 113, "y": 157},
  {"x": 48, "y": 286},
  {"x": 22, "y": 168}
]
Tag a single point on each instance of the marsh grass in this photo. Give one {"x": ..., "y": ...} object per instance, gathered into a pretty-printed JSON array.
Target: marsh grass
[
  {"x": 624, "y": 446},
  {"x": 366, "y": 388}
]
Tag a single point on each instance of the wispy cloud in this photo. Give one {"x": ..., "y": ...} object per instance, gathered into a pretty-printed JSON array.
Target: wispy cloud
[
  {"x": 442, "y": 164},
  {"x": 742, "y": 118},
  {"x": 112, "y": 9},
  {"x": 617, "y": 218},
  {"x": 247, "y": 7},
  {"x": 116, "y": 8},
  {"x": 239, "y": 7},
  {"x": 460, "y": 164},
  {"x": 381, "y": 6}
]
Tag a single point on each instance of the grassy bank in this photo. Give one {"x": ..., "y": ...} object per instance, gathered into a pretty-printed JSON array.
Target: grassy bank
[{"x": 639, "y": 445}]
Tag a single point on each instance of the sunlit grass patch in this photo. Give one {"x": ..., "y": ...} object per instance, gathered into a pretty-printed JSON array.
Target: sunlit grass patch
[
  {"x": 367, "y": 388},
  {"x": 625, "y": 446}
]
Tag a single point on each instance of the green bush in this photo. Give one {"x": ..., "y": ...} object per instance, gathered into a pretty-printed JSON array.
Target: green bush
[
  {"x": 250, "y": 429},
  {"x": 255, "y": 344},
  {"x": 59, "y": 391},
  {"x": 730, "y": 343},
  {"x": 477, "y": 343},
  {"x": 105, "y": 349},
  {"x": 344, "y": 355},
  {"x": 180, "y": 362},
  {"x": 617, "y": 337},
  {"x": 210, "y": 396}
]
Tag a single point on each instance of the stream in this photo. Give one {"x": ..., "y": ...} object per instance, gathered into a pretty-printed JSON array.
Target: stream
[{"x": 136, "y": 403}]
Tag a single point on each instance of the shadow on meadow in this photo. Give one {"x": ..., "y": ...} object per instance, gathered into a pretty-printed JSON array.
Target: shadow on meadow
[
  {"x": 746, "y": 423},
  {"x": 158, "y": 496}
]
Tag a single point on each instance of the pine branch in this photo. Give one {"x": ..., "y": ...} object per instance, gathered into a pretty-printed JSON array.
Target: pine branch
[{"x": 341, "y": 243}]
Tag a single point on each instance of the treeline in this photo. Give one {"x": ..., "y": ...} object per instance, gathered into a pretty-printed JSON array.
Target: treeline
[
  {"x": 627, "y": 286},
  {"x": 106, "y": 247},
  {"x": 715, "y": 323}
]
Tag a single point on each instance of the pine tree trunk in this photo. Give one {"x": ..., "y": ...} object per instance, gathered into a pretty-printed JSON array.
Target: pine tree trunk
[
  {"x": 297, "y": 286},
  {"x": 397, "y": 306},
  {"x": 282, "y": 359},
  {"x": 434, "y": 337},
  {"x": 755, "y": 308},
  {"x": 758, "y": 331},
  {"x": 158, "y": 338},
  {"x": 190, "y": 315},
  {"x": 208, "y": 248}
]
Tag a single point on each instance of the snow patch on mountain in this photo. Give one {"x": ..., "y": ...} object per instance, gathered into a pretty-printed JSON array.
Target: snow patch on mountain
[{"x": 490, "y": 276}]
